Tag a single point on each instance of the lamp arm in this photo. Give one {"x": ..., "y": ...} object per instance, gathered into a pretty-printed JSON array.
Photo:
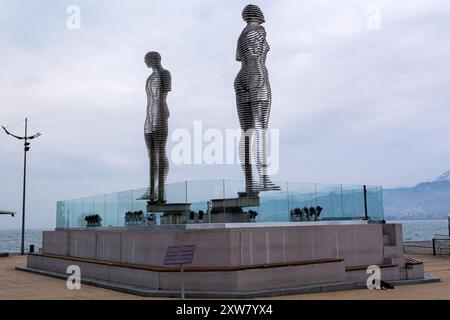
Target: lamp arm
[
  {"x": 35, "y": 136},
  {"x": 7, "y": 132}
]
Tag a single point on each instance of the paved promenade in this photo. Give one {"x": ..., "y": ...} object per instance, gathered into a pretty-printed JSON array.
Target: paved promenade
[
  {"x": 23, "y": 285},
  {"x": 16, "y": 284}
]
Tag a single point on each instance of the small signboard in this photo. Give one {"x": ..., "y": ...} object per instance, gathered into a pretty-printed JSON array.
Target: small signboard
[{"x": 179, "y": 255}]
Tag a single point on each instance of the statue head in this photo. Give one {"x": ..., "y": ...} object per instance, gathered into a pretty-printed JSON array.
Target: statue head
[
  {"x": 252, "y": 13},
  {"x": 152, "y": 59}
]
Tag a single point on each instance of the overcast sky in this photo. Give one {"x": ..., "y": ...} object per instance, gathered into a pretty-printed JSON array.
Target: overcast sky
[{"x": 353, "y": 104}]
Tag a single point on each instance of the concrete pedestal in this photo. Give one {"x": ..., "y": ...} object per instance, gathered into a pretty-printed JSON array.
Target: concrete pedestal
[
  {"x": 174, "y": 213},
  {"x": 230, "y": 259},
  {"x": 240, "y": 202}
]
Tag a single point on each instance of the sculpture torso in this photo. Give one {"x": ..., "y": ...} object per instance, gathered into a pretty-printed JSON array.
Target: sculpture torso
[
  {"x": 252, "y": 45},
  {"x": 252, "y": 49},
  {"x": 157, "y": 110}
]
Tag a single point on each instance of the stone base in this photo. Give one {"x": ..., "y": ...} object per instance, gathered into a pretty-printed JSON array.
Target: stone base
[
  {"x": 173, "y": 218},
  {"x": 141, "y": 291},
  {"x": 238, "y": 258},
  {"x": 239, "y": 202},
  {"x": 220, "y": 217},
  {"x": 174, "y": 213}
]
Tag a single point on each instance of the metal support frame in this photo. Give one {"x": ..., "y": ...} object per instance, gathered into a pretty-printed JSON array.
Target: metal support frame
[
  {"x": 26, "y": 148},
  {"x": 366, "y": 215}
]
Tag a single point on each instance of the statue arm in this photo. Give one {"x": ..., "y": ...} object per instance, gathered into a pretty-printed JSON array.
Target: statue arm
[
  {"x": 148, "y": 90},
  {"x": 166, "y": 81},
  {"x": 166, "y": 87},
  {"x": 148, "y": 118},
  {"x": 256, "y": 40}
]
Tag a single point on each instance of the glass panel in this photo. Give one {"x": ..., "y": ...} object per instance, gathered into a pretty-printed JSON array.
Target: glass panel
[
  {"x": 77, "y": 213},
  {"x": 199, "y": 195},
  {"x": 301, "y": 195},
  {"x": 359, "y": 202},
  {"x": 139, "y": 205},
  {"x": 61, "y": 214},
  {"x": 70, "y": 212},
  {"x": 274, "y": 205},
  {"x": 374, "y": 203},
  {"x": 324, "y": 199},
  {"x": 111, "y": 210},
  {"x": 99, "y": 207},
  {"x": 232, "y": 188},
  {"x": 339, "y": 202},
  {"x": 87, "y": 208},
  {"x": 350, "y": 202},
  {"x": 125, "y": 204},
  {"x": 176, "y": 192}
]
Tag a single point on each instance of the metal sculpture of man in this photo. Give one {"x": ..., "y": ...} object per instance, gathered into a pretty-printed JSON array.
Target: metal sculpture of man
[
  {"x": 158, "y": 84},
  {"x": 253, "y": 100}
]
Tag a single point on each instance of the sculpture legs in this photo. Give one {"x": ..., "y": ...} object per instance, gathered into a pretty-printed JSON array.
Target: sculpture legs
[
  {"x": 158, "y": 166},
  {"x": 163, "y": 169},
  {"x": 261, "y": 111},
  {"x": 246, "y": 122},
  {"x": 150, "y": 142},
  {"x": 246, "y": 160}
]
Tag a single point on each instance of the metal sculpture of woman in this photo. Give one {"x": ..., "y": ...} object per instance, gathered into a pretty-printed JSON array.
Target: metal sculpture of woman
[
  {"x": 253, "y": 99},
  {"x": 158, "y": 84}
]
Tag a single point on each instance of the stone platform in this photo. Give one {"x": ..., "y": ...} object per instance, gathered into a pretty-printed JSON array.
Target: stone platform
[{"x": 239, "y": 258}]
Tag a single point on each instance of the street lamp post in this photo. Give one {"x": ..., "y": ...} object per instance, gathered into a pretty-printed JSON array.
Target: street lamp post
[{"x": 26, "y": 148}]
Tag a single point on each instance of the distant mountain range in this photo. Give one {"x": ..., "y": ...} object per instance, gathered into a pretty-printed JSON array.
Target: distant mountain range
[{"x": 427, "y": 200}]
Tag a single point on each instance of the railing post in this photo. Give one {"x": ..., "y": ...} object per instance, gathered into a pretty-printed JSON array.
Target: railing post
[
  {"x": 288, "y": 204},
  {"x": 209, "y": 211},
  {"x": 315, "y": 192},
  {"x": 186, "y": 213},
  {"x": 449, "y": 225},
  {"x": 366, "y": 216},
  {"x": 104, "y": 208},
  {"x": 223, "y": 200},
  {"x": 118, "y": 209},
  {"x": 82, "y": 207},
  {"x": 72, "y": 218}
]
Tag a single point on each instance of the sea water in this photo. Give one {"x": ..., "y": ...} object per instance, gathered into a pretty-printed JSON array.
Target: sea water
[{"x": 413, "y": 230}]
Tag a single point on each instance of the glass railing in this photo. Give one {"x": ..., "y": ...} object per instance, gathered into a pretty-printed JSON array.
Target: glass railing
[{"x": 201, "y": 198}]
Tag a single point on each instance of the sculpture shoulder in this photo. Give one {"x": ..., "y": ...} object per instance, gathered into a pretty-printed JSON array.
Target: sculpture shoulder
[
  {"x": 165, "y": 74},
  {"x": 253, "y": 32}
]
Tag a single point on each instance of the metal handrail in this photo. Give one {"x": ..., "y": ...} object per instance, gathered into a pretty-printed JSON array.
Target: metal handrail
[
  {"x": 434, "y": 240},
  {"x": 442, "y": 236}
]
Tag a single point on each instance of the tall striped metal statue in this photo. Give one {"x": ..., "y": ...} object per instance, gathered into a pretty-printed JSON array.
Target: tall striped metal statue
[
  {"x": 158, "y": 84},
  {"x": 253, "y": 100}
]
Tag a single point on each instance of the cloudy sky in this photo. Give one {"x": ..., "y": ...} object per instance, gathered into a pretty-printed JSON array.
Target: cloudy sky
[{"x": 354, "y": 103}]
